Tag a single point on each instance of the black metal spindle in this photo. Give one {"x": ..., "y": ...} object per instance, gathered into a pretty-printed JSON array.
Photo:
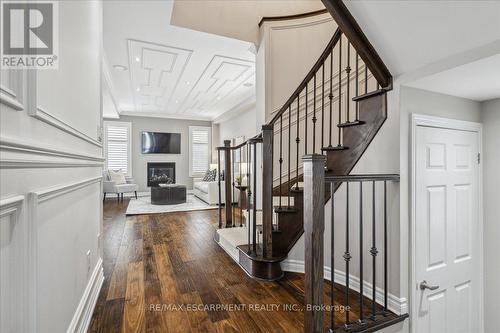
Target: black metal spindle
[
  {"x": 233, "y": 183},
  {"x": 385, "y": 247},
  {"x": 305, "y": 122},
  {"x": 348, "y": 85},
  {"x": 340, "y": 94},
  {"x": 255, "y": 198},
  {"x": 281, "y": 157},
  {"x": 289, "y": 150},
  {"x": 366, "y": 78},
  {"x": 332, "y": 266},
  {"x": 241, "y": 184},
  {"x": 314, "y": 116},
  {"x": 361, "y": 320},
  {"x": 347, "y": 258},
  {"x": 330, "y": 96},
  {"x": 297, "y": 140},
  {"x": 357, "y": 86},
  {"x": 373, "y": 252},
  {"x": 218, "y": 184},
  {"x": 322, "y": 106},
  {"x": 249, "y": 194}
]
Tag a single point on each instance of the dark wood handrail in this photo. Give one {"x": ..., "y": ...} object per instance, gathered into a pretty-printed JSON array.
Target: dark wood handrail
[
  {"x": 361, "y": 44},
  {"x": 244, "y": 143},
  {"x": 291, "y": 17},
  {"x": 317, "y": 65}
]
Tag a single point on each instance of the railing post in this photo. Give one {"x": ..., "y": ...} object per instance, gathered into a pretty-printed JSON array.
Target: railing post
[
  {"x": 227, "y": 183},
  {"x": 314, "y": 226},
  {"x": 267, "y": 190}
]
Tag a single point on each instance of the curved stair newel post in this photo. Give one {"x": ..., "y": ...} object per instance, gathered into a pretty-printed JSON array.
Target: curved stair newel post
[
  {"x": 267, "y": 190},
  {"x": 314, "y": 227},
  {"x": 227, "y": 183}
]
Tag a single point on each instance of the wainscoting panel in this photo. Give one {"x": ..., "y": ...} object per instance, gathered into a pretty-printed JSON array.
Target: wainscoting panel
[
  {"x": 12, "y": 269},
  {"x": 63, "y": 259}
]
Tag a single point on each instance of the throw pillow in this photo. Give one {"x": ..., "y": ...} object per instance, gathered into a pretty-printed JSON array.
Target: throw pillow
[
  {"x": 117, "y": 177},
  {"x": 210, "y": 175}
]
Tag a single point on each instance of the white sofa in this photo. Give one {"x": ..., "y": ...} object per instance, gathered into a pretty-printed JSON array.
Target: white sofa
[{"x": 209, "y": 191}]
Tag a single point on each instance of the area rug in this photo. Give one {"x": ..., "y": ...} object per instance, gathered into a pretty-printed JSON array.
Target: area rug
[{"x": 143, "y": 206}]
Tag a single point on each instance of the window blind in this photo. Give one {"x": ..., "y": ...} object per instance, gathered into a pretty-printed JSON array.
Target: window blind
[
  {"x": 117, "y": 147},
  {"x": 200, "y": 150}
]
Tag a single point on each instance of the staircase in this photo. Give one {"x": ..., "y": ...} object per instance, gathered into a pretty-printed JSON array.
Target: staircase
[{"x": 334, "y": 113}]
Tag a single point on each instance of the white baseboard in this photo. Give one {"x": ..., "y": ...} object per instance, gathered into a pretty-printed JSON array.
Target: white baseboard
[
  {"x": 394, "y": 303},
  {"x": 84, "y": 310}
]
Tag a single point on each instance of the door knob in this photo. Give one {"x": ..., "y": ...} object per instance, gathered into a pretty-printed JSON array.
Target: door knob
[{"x": 424, "y": 285}]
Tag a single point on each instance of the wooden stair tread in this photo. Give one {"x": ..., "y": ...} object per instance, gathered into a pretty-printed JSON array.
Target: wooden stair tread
[
  {"x": 259, "y": 257},
  {"x": 370, "y": 94},
  {"x": 334, "y": 148},
  {"x": 351, "y": 123}
]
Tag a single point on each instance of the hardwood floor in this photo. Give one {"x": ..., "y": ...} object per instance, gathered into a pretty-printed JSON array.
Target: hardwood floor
[{"x": 165, "y": 273}]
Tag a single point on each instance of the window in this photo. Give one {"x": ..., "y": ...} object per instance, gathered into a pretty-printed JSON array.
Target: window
[
  {"x": 117, "y": 146},
  {"x": 199, "y": 152}
]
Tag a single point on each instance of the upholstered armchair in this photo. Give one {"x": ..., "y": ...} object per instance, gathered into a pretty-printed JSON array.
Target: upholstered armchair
[{"x": 110, "y": 186}]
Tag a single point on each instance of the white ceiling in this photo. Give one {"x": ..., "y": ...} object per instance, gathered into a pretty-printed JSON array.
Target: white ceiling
[
  {"x": 238, "y": 18},
  {"x": 409, "y": 35},
  {"x": 478, "y": 80},
  {"x": 171, "y": 71}
]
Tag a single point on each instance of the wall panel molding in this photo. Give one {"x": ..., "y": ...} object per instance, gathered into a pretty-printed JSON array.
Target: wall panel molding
[
  {"x": 10, "y": 98},
  {"x": 83, "y": 314},
  {"x": 40, "y": 114},
  {"x": 23, "y": 154},
  {"x": 12, "y": 264},
  {"x": 35, "y": 198}
]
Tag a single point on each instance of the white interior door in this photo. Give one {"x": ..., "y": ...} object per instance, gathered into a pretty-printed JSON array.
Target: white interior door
[{"x": 447, "y": 231}]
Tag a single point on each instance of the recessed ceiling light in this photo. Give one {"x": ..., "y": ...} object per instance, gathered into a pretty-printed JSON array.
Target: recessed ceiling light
[
  {"x": 218, "y": 98},
  {"x": 176, "y": 102},
  {"x": 120, "y": 68},
  {"x": 248, "y": 84},
  {"x": 138, "y": 89},
  {"x": 187, "y": 82},
  {"x": 137, "y": 59}
]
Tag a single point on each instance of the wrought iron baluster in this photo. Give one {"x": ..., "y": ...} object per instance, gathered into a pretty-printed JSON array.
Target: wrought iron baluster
[
  {"x": 241, "y": 184},
  {"x": 249, "y": 194},
  {"x": 339, "y": 144},
  {"x": 366, "y": 78},
  {"x": 357, "y": 86},
  {"x": 281, "y": 157},
  {"x": 297, "y": 140},
  {"x": 289, "y": 150},
  {"x": 305, "y": 122},
  {"x": 385, "y": 247},
  {"x": 314, "y": 116},
  {"x": 332, "y": 259},
  {"x": 361, "y": 320},
  {"x": 323, "y": 107},
  {"x": 218, "y": 184},
  {"x": 255, "y": 198},
  {"x": 233, "y": 171},
  {"x": 330, "y": 96},
  {"x": 348, "y": 85},
  {"x": 373, "y": 252},
  {"x": 347, "y": 258}
]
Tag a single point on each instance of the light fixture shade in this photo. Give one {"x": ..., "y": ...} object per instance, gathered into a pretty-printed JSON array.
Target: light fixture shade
[{"x": 213, "y": 166}]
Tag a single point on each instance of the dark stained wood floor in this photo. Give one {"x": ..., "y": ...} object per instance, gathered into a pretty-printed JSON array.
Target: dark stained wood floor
[{"x": 156, "y": 266}]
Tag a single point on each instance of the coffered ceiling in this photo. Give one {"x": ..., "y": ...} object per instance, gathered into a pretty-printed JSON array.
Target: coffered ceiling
[{"x": 155, "y": 69}]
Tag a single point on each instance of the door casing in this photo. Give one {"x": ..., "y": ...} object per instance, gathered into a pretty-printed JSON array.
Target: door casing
[{"x": 445, "y": 123}]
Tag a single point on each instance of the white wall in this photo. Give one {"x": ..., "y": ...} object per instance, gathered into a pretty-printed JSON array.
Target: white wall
[
  {"x": 244, "y": 124},
  {"x": 140, "y": 160},
  {"x": 50, "y": 183},
  {"x": 490, "y": 116}
]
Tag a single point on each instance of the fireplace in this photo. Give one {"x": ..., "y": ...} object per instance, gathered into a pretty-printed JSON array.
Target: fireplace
[{"x": 160, "y": 172}]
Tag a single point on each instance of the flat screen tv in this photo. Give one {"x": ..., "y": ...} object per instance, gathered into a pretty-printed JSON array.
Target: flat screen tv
[{"x": 161, "y": 143}]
